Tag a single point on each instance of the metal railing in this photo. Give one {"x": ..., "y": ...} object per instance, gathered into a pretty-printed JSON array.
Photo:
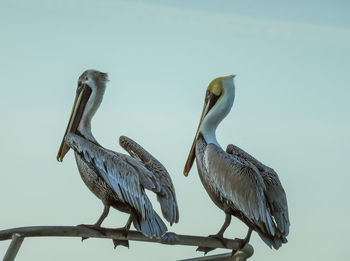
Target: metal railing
[{"x": 17, "y": 236}]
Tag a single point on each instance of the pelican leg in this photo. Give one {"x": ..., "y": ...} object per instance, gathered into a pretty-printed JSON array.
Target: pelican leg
[
  {"x": 103, "y": 216},
  {"x": 124, "y": 230},
  {"x": 219, "y": 236},
  {"x": 97, "y": 225},
  {"x": 243, "y": 242}
]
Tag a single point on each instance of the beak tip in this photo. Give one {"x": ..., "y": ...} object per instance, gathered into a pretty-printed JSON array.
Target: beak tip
[{"x": 59, "y": 158}]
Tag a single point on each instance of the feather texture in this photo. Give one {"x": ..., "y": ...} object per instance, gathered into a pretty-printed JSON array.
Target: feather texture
[
  {"x": 125, "y": 178},
  {"x": 163, "y": 185},
  {"x": 238, "y": 185},
  {"x": 275, "y": 194}
]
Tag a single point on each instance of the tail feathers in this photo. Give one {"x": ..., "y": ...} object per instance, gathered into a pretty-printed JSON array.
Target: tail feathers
[
  {"x": 276, "y": 229},
  {"x": 275, "y": 242},
  {"x": 169, "y": 209},
  {"x": 153, "y": 226},
  {"x": 282, "y": 222}
]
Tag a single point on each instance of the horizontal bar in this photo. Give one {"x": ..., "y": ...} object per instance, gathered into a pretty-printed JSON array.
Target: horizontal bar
[{"x": 84, "y": 232}]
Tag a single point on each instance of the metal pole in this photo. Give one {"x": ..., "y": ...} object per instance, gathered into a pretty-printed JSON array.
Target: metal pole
[
  {"x": 239, "y": 256},
  {"x": 17, "y": 235},
  {"x": 12, "y": 251}
]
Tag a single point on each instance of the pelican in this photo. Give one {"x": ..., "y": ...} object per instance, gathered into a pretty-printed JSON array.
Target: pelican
[
  {"x": 236, "y": 182},
  {"x": 118, "y": 180}
]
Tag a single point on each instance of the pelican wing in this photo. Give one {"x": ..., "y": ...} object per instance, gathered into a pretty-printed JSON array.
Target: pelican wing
[
  {"x": 162, "y": 185},
  {"x": 115, "y": 171},
  {"x": 275, "y": 194},
  {"x": 238, "y": 183}
]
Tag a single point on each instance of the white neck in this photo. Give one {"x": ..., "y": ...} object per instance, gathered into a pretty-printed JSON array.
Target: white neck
[
  {"x": 217, "y": 114},
  {"x": 91, "y": 107}
]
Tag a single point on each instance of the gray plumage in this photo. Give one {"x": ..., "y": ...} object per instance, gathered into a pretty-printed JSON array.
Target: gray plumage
[
  {"x": 237, "y": 183},
  {"x": 164, "y": 187},
  {"x": 118, "y": 180},
  {"x": 275, "y": 195}
]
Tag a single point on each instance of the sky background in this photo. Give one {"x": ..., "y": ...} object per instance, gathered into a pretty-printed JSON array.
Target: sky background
[{"x": 291, "y": 111}]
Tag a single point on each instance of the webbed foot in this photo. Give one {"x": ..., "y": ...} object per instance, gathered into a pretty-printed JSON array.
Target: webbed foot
[
  {"x": 220, "y": 238},
  {"x": 125, "y": 231},
  {"x": 118, "y": 242},
  {"x": 242, "y": 243},
  {"x": 94, "y": 227},
  {"x": 205, "y": 249}
]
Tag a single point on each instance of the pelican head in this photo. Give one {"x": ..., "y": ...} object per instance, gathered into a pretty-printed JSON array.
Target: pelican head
[
  {"x": 89, "y": 94},
  {"x": 217, "y": 104}
]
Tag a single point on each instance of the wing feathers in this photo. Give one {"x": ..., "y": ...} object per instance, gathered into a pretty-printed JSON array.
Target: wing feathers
[
  {"x": 239, "y": 182},
  {"x": 119, "y": 175},
  {"x": 162, "y": 184},
  {"x": 275, "y": 195}
]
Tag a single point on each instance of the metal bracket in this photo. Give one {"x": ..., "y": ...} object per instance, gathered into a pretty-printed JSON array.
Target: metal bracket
[{"x": 15, "y": 245}]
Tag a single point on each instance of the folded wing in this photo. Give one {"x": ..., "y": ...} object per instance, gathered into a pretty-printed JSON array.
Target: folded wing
[
  {"x": 162, "y": 185},
  {"x": 239, "y": 184},
  {"x": 123, "y": 178},
  {"x": 275, "y": 194}
]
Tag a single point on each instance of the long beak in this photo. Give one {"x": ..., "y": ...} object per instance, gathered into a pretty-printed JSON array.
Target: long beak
[
  {"x": 210, "y": 100},
  {"x": 83, "y": 94}
]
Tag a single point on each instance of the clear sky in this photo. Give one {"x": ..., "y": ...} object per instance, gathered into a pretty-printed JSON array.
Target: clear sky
[{"x": 291, "y": 111}]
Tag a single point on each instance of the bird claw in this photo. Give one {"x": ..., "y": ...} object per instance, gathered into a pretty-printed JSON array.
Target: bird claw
[
  {"x": 208, "y": 249},
  {"x": 84, "y": 238},
  {"x": 123, "y": 230},
  {"x": 242, "y": 243},
  {"x": 205, "y": 249},
  {"x": 93, "y": 227},
  {"x": 220, "y": 238},
  {"x": 118, "y": 242}
]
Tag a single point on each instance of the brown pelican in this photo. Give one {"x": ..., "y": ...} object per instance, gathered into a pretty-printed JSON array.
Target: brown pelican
[
  {"x": 237, "y": 183},
  {"x": 118, "y": 180}
]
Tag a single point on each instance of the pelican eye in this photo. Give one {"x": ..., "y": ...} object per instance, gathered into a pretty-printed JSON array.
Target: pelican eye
[{"x": 80, "y": 87}]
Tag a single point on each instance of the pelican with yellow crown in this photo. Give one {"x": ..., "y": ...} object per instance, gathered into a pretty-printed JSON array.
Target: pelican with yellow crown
[
  {"x": 118, "y": 180},
  {"x": 236, "y": 182}
]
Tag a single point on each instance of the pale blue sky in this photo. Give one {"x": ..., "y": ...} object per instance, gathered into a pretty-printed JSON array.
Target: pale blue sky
[{"x": 291, "y": 111}]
